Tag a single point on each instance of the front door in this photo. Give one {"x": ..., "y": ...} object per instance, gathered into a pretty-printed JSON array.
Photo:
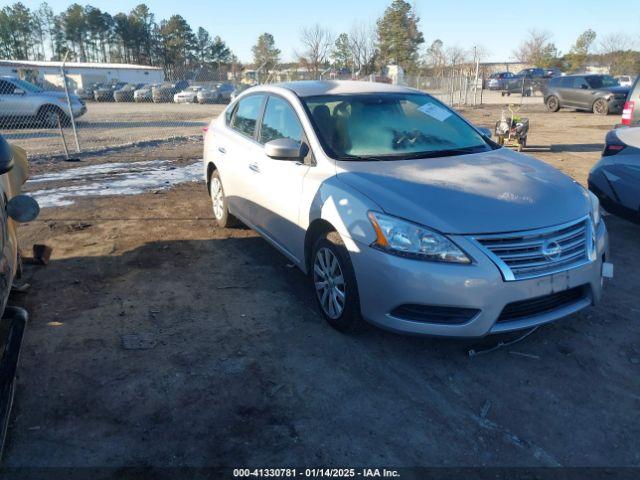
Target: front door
[{"x": 280, "y": 181}]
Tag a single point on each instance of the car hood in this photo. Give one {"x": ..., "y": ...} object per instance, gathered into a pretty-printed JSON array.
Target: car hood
[{"x": 490, "y": 192}]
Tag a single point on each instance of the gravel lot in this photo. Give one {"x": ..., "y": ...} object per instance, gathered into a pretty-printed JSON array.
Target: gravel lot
[
  {"x": 108, "y": 125},
  {"x": 157, "y": 339}
]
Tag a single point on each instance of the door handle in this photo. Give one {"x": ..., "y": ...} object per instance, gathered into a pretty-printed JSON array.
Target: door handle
[
  {"x": 254, "y": 167},
  {"x": 222, "y": 150}
]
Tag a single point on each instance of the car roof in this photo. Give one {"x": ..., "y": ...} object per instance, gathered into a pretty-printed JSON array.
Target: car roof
[{"x": 310, "y": 88}]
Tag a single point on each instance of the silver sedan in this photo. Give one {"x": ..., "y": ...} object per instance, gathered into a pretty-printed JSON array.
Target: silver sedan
[{"x": 402, "y": 213}]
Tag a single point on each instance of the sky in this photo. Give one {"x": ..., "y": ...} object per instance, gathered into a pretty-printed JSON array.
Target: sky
[{"x": 464, "y": 23}]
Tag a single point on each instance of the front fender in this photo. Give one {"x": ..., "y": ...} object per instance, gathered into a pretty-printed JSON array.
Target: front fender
[{"x": 346, "y": 210}]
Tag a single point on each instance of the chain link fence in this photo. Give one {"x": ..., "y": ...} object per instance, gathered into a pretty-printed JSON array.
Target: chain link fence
[
  {"x": 110, "y": 116},
  {"x": 49, "y": 120}
]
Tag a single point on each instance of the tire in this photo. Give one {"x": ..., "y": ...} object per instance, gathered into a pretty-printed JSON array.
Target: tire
[
  {"x": 553, "y": 103},
  {"x": 48, "y": 117},
  {"x": 334, "y": 283},
  {"x": 600, "y": 107},
  {"x": 219, "y": 202}
]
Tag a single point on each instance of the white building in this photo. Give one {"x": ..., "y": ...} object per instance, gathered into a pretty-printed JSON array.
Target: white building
[{"x": 80, "y": 75}]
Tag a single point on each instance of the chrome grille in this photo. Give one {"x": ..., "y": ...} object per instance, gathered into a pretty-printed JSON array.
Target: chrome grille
[{"x": 533, "y": 253}]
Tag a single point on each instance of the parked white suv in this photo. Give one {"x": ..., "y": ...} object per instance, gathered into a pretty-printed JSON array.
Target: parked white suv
[{"x": 23, "y": 102}]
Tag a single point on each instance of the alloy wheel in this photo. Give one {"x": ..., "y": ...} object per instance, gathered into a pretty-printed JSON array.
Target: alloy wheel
[
  {"x": 217, "y": 198},
  {"x": 329, "y": 283}
]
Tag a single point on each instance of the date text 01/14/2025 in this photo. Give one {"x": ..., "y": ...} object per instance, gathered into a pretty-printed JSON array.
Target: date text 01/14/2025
[{"x": 315, "y": 473}]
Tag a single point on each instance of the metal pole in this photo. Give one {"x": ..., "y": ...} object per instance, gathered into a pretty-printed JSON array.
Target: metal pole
[
  {"x": 475, "y": 85},
  {"x": 66, "y": 92},
  {"x": 64, "y": 142}
]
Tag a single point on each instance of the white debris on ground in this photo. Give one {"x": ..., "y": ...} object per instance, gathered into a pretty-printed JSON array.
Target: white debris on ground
[{"x": 123, "y": 178}]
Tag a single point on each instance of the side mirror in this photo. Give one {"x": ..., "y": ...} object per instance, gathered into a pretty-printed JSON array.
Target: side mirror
[
  {"x": 23, "y": 208},
  {"x": 19, "y": 91},
  {"x": 283, "y": 149},
  {"x": 6, "y": 156},
  {"x": 484, "y": 131}
]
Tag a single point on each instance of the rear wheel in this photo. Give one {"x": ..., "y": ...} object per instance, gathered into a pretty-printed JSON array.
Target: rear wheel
[
  {"x": 219, "y": 202},
  {"x": 601, "y": 107},
  {"x": 553, "y": 103},
  {"x": 334, "y": 282}
]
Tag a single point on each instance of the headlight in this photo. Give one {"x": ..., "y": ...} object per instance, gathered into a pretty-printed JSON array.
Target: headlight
[
  {"x": 407, "y": 239},
  {"x": 595, "y": 209}
]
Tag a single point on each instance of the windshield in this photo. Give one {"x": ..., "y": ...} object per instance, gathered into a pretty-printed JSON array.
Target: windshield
[
  {"x": 390, "y": 126},
  {"x": 26, "y": 86},
  {"x": 602, "y": 81}
]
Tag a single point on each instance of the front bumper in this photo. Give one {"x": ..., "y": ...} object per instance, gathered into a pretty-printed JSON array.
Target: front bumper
[
  {"x": 386, "y": 282},
  {"x": 616, "y": 105}
]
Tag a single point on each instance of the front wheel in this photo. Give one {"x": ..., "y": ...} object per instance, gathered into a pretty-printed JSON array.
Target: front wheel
[
  {"x": 49, "y": 117},
  {"x": 219, "y": 202},
  {"x": 334, "y": 282},
  {"x": 601, "y": 107}
]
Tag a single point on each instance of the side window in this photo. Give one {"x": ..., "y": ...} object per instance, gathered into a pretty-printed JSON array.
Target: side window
[
  {"x": 565, "y": 82},
  {"x": 246, "y": 116},
  {"x": 580, "y": 82},
  {"x": 279, "y": 121},
  {"x": 6, "y": 88}
]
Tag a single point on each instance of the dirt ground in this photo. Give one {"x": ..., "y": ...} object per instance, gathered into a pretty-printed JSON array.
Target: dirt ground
[{"x": 156, "y": 339}]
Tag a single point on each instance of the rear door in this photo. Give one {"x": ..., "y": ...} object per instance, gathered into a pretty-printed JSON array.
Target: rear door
[
  {"x": 580, "y": 95},
  {"x": 562, "y": 86},
  {"x": 279, "y": 188},
  {"x": 236, "y": 153}
]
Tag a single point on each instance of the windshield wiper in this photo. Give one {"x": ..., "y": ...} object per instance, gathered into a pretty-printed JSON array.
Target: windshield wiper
[
  {"x": 417, "y": 155},
  {"x": 364, "y": 158}
]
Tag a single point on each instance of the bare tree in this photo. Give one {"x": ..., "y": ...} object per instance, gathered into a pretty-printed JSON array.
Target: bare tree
[
  {"x": 537, "y": 49},
  {"x": 455, "y": 55},
  {"x": 362, "y": 43},
  {"x": 615, "y": 42},
  {"x": 436, "y": 58},
  {"x": 317, "y": 42},
  {"x": 617, "y": 53}
]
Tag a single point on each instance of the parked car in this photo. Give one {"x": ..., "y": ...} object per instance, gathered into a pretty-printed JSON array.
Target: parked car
[
  {"x": 125, "y": 94},
  {"x": 625, "y": 80},
  {"x": 104, "y": 92},
  {"x": 24, "y": 102},
  {"x": 600, "y": 94},
  {"x": 631, "y": 108},
  {"x": 527, "y": 82},
  {"x": 164, "y": 93},
  {"x": 615, "y": 179},
  {"x": 403, "y": 213},
  {"x": 188, "y": 95},
  {"x": 551, "y": 72},
  {"x": 86, "y": 93},
  {"x": 238, "y": 89},
  {"x": 220, "y": 93},
  {"x": 144, "y": 94},
  {"x": 498, "y": 81},
  {"x": 14, "y": 171}
]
